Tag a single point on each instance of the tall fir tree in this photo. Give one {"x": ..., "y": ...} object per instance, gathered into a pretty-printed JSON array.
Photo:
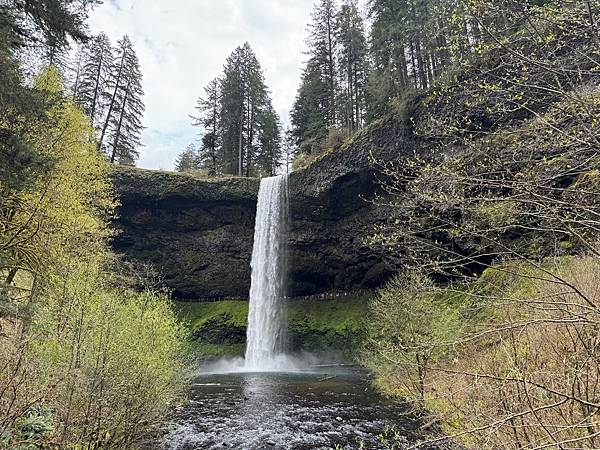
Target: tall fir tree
[
  {"x": 353, "y": 65},
  {"x": 244, "y": 101},
  {"x": 310, "y": 110},
  {"x": 233, "y": 111},
  {"x": 270, "y": 141},
  {"x": 288, "y": 150},
  {"x": 209, "y": 121},
  {"x": 94, "y": 77},
  {"x": 188, "y": 160},
  {"x": 121, "y": 133},
  {"x": 314, "y": 112},
  {"x": 412, "y": 42},
  {"x": 322, "y": 51}
]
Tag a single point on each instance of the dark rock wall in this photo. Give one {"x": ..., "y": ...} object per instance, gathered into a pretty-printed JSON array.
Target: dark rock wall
[
  {"x": 335, "y": 207},
  {"x": 199, "y": 233}
]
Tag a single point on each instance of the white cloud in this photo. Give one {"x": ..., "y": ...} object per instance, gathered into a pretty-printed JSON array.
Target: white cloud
[{"x": 183, "y": 44}]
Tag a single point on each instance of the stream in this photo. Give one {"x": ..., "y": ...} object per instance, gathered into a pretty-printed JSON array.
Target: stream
[{"x": 315, "y": 409}]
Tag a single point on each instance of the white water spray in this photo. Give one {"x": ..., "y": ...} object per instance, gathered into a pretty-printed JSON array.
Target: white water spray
[{"x": 267, "y": 317}]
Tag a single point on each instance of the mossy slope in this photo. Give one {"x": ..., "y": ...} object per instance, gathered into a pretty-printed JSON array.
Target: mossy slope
[{"x": 315, "y": 324}]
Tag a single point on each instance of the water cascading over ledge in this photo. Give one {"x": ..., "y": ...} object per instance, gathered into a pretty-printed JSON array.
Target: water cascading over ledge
[{"x": 267, "y": 316}]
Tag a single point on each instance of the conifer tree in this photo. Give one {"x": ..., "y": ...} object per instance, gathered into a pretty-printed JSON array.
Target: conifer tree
[
  {"x": 288, "y": 150},
  {"x": 309, "y": 112},
  {"x": 233, "y": 111},
  {"x": 188, "y": 160},
  {"x": 208, "y": 119},
  {"x": 353, "y": 64},
  {"x": 270, "y": 154},
  {"x": 26, "y": 25},
  {"x": 322, "y": 45},
  {"x": 93, "y": 81},
  {"x": 121, "y": 132},
  {"x": 314, "y": 111},
  {"x": 244, "y": 102}
]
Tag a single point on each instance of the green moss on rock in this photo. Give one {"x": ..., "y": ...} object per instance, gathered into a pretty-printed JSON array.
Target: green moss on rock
[
  {"x": 159, "y": 185},
  {"x": 316, "y": 324}
]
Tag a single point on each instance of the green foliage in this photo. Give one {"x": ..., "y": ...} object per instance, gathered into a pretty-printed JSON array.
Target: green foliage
[
  {"x": 209, "y": 120},
  {"x": 120, "y": 137},
  {"x": 412, "y": 325},
  {"x": 241, "y": 130},
  {"x": 527, "y": 192},
  {"x": 459, "y": 351},
  {"x": 331, "y": 95},
  {"x": 188, "y": 160},
  {"x": 198, "y": 314},
  {"x": 30, "y": 430},
  {"x": 329, "y": 324},
  {"x": 99, "y": 364},
  {"x": 93, "y": 79},
  {"x": 123, "y": 355},
  {"x": 314, "y": 324},
  {"x": 66, "y": 204}
]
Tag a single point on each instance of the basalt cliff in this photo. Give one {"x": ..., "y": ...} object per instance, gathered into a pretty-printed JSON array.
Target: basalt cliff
[{"x": 198, "y": 233}]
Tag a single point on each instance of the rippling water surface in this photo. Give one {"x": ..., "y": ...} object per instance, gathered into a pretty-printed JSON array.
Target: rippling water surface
[{"x": 303, "y": 410}]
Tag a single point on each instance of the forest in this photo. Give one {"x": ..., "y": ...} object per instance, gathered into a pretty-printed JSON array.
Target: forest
[{"x": 434, "y": 211}]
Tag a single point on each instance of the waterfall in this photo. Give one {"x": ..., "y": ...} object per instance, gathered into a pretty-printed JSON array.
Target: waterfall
[{"x": 267, "y": 321}]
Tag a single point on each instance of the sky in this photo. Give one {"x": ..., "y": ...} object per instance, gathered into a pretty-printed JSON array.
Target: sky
[{"x": 183, "y": 44}]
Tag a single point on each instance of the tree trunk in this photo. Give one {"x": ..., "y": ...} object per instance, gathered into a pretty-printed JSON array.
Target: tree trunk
[
  {"x": 241, "y": 142},
  {"x": 118, "y": 133},
  {"x": 421, "y": 65},
  {"x": 331, "y": 72},
  {"x": 112, "y": 101},
  {"x": 77, "y": 75},
  {"x": 97, "y": 87},
  {"x": 213, "y": 150},
  {"x": 402, "y": 67},
  {"x": 250, "y": 137},
  {"x": 11, "y": 276},
  {"x": 414, "y": 66}
]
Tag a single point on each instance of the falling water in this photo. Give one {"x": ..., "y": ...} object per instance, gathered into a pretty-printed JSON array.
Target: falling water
[{"x": 267, "y": 321}]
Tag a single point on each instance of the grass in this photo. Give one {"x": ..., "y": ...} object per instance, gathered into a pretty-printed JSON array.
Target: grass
[
  {"x": 328, "y": 324},
  {"x": 208, "y": 351},
  {"x": 162, "y": 184},
  {"x": 196, "y": 315}
]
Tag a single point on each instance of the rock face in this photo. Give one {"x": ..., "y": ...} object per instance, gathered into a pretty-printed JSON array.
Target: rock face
[
  {"x": 199, "y": 233},
  {"x": 334, "y": 210}
]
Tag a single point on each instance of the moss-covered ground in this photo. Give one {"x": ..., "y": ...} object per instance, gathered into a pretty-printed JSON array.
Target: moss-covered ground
[
  {"x": 315, "y": 324},
  {"x": 160, "y": 184}
]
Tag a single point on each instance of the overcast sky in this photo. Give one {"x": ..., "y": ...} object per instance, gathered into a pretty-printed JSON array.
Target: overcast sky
[{"x": 183, "y": 44}]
